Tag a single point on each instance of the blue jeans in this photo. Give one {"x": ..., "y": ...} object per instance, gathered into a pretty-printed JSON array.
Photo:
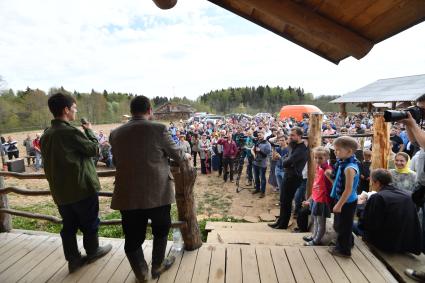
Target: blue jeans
[
  {"x": 37, "y": 160},
  {"x": 260, "y": 178},
  {"x": 279, "y": 177},
  {"x": 300, "y": 196}
]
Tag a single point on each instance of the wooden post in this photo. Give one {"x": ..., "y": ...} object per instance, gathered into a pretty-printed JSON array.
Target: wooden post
[
  {"x": 343, "y": 111},
  {"x": 314, "y": 140},
  {"x": 381, "y": 146},
  {"x": 5, "y": 219},
  {"x": 369, "y": 107},
  {"x": 184, "y": 179}
]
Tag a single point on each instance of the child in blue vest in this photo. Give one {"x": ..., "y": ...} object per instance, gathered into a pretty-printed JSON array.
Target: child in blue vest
[{"x": 344, "y": 192}]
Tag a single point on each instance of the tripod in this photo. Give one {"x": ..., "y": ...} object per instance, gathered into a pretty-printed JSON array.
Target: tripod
[{"x": 239, "y": 169}]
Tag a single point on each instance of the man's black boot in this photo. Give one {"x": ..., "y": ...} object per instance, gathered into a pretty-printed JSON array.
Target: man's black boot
[
  {"x": 93, "y": 250},
  {"x": 72, "y": 254},
  {"x": 138, "y": 264},
  {"x": 159, "y": 264}
]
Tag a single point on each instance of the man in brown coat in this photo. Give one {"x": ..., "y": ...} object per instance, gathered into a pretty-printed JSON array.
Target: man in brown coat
[{"x": 144, "y": 185}]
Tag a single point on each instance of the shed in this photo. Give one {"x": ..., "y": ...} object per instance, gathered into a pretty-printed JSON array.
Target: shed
[
  {"x": 398, "y": 89},
  {"x": 173, "y": 111}
]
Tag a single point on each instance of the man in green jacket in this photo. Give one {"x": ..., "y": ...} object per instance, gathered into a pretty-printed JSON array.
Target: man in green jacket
[{"x": 67, "y": 155}]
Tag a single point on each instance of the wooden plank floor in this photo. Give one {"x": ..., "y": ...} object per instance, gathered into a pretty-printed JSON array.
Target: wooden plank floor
[{"x": 28, "y": 257}]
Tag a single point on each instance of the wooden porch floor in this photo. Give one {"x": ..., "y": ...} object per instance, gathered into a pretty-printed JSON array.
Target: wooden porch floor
[{"x": 26, "y": 257}]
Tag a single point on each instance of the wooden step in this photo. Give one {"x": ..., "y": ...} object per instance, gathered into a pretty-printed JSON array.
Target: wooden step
[
  {"x": 243, "y": 227},
  {"x": 256, "y": 238}
]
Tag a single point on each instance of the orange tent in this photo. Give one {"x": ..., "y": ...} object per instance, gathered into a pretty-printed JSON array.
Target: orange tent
[{"x": 297, "y": 111}]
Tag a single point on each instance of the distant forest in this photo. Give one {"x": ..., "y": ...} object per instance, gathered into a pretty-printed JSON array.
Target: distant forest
[{"x": 27, "y": 109}]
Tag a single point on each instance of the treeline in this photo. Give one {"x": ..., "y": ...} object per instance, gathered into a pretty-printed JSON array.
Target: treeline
[
  {"x": 264, "y": 99},
  {"x": 28, "y": 109}
]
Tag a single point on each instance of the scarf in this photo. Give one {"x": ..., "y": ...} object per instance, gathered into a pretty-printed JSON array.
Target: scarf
[
  {"x": 405, "y": 169},
  {"x": 339, "y": 183}
]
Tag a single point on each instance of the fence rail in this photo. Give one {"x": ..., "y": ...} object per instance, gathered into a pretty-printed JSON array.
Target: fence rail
[{"x": 4, "y": 191}]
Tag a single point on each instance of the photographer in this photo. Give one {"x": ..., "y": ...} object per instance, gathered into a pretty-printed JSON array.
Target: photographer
[{"x": 417, "y": 135}]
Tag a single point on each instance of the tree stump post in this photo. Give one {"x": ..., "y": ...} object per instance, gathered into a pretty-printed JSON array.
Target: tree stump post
[
  {"x": 381, "y": 146},
  {"x": 5, "y": 218},
  {"x": 314, "y": 140},
  {"x": 184, "y": 179}
]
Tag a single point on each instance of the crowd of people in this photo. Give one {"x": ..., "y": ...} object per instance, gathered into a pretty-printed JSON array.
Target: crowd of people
[{"x": 274, "y": 153}]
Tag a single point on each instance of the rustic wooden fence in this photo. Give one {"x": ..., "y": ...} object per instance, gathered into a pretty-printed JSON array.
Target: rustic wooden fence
[{"x": 184, "y": 177}]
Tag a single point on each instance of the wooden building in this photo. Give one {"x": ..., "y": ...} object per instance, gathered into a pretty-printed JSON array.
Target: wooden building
[{"x": 173, "y": 111}]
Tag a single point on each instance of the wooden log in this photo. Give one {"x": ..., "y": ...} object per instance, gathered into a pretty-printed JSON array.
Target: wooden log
[
  {"x": 314, "y": 140},
  {"x": 184, "y": 178},
  {"x": 28, "y": 192},
  {"x": 343, "y": 111},
  {"x": 100, "y": 173},
  {"x": 381, "y": 146},
  {"x": 369, "y": 107},
  {"x": 5, "y": 219},
  {"x": 165, "y": 4},
  {"x": 315, "y": 25}
]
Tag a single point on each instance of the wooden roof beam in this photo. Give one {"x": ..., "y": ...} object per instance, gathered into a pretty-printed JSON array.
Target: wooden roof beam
[{"x": 315, "y": 25}]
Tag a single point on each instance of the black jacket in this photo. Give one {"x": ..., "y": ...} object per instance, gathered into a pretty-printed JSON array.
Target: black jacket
[
  {"x": 391, "y": 222},
  {"x": 293, "y": 163}
]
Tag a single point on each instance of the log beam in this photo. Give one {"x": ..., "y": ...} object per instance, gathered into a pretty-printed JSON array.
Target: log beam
[
  {"x": 381, "y": 146},
  {"x": 184, "y": 179},
  {"x": 315, "y": 25},
  {"x": 314, "y": 140}
]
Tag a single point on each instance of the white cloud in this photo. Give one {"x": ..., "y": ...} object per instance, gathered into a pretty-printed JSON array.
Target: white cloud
[{"x": 133, "y": 46}]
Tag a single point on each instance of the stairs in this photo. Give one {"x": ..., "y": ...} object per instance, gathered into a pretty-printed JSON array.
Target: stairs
[{"x": 255, "y": 234}]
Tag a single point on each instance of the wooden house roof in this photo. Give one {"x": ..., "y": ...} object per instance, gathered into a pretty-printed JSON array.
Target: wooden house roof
[
  {"x": 333, "y": 29},
  {"x": 171, "y": 107},
  {"x": 387, "y": 90}
]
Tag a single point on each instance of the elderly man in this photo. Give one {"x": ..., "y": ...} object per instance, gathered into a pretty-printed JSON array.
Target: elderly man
[{"x": 144, "y": 185}]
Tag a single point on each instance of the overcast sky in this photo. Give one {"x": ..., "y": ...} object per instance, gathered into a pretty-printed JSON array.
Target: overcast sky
[{"x": 132, "y": 46}]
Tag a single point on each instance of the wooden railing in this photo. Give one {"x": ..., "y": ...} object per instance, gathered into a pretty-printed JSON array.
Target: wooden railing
[{"x": 184, "y": 177}]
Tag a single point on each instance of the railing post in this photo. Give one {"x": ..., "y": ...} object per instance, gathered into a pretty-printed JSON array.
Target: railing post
[
  {"x": 381, "y": 145},
  {"x": 314, "y": 140},
  {"x": 184, "y": 179},
  {"x": 5, "y": 218}
]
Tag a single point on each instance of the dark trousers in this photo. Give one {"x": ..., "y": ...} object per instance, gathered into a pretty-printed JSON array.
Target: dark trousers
[
  {"x": 194, "y": 154},
  {"x": 83, "y": 215},
  {"x": 12, "y": 154},
  {"x": 204, "y": 164},
  {"x": 220, "y": 163},
  {"x": 134, "y": 223},
  {"x": 290, "y": 185},
  {"x": 260, "y": 178},
  {"x": 343, "y": 225},
  {"x": 228, "y": 166}
]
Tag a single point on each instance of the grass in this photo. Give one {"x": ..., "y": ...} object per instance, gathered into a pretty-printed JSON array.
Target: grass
[{"x": 113, "y": 231}]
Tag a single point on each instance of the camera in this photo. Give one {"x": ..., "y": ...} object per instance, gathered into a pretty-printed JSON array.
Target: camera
[
  {"x": 394, "y": 116},
  {"x": 84, "y": 121}
]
